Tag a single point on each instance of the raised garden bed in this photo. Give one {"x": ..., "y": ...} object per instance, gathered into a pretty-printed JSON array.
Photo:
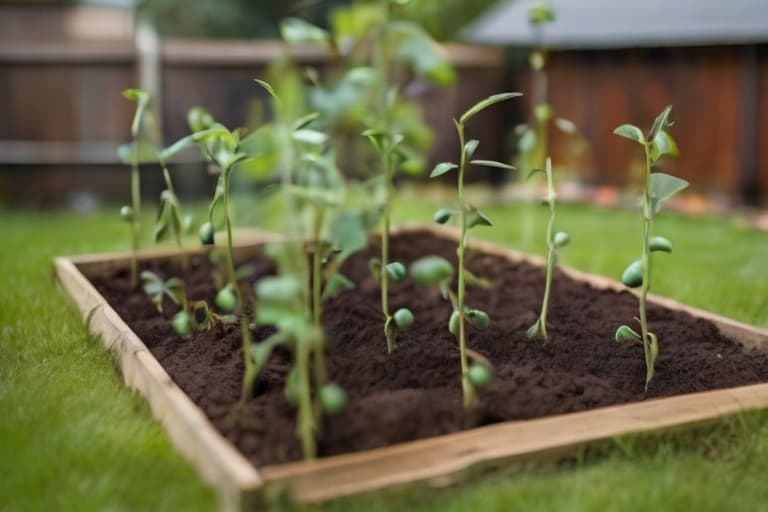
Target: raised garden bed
[{"x": 405, "y": 422}]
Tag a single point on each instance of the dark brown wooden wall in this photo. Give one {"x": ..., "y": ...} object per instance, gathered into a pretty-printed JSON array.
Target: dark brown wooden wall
[{"x": 720, "y": 99}]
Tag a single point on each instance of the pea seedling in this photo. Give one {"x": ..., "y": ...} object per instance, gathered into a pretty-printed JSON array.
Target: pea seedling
[
  {"x": 469, "y": 217},
  {"x": 555, "y": 241},
  {"x": 132, "y": 213},
  {"x": 196, "y": 316},
  {"x": 657, "y": 188}
]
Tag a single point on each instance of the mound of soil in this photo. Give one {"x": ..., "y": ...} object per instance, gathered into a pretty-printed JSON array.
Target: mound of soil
[{"x": 415, "y": 392}]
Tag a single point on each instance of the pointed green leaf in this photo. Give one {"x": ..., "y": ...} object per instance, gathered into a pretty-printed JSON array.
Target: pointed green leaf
[
  {"x": 142, "y": 102},
  {"x": 470, "y": 148},
  {"x": 664, "y": 186},
  {"x": 267, "y": 88},
  {"x": 336, "y": 284},
  {"x": 660, "y": 123},
  {"x": 475, "y": 217},
  {"x": 442, "y": 168},
  {"x": 493, "y": 163},
  {"x": 487, "y": 102},
  {"x": 443, "y": 215},
  {"x": 631, "y": 132},
  {"x": 305, "y": 121}
]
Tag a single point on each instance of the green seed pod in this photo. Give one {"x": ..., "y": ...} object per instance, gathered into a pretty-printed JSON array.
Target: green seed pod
[
  {"x": 659, "y": 243},
  {"x": 396, "y": 271},
  {"x": 443, "y": 215},
  {"x": 403, "y": 318},
  {"x": 626, "y": 333},
  {"x": 479, "y": 375},
  {"x": 477, "y": 318},
  {"x": 226, "y": 299},
  {"x": 431, "y": 270},
  {"x": 207, "y": 233},
  {"x": 453, "y": 323},
  {"x": 561, "y": 239},
  {"x": 633, "y": 275},
  {"x": 126, "y": 212},
  {"x": 333, "y": 399},
  {"x": 182, "y": 323}
]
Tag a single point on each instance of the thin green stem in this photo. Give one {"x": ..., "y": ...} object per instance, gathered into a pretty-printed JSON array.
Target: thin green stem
[
  {"x": 136, "y": 204},
  {"x": 646, "y": 262},
  {"x": 317, "y": 298},
  {"x": 249, "y": 376},
  {"x": 468, "y": 391},
  {"x": 177, "y": 235},
  {"x": 231, "y": 277},
  {"x": 384, "y": 276},
  {"x": 551, "y": 254},
  {"x": 306, "y": 420}
]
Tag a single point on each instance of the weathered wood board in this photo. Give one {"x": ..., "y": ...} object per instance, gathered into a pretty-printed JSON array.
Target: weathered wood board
[{"x": 438, "y": 460}]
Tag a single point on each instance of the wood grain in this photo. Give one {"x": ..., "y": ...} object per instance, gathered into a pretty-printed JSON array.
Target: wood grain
[{"x": 437, "y": 461}]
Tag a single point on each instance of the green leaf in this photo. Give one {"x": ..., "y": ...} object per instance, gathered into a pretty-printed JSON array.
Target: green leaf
[
  {"x": 475, "y": 217},
  {"x": 663, "y": 144},
  {"x": 267, "y": 88},
  {"x": 396, "y": 271},
  {"x": 487, "y": 102},
  {"x": 199, "y": 119},
  {"x": 296, "y": 30},
  {"x": 311, "y": 137},
  {"x": 443, "y": 215},
  {"x": 561, "y": 239},
  {"x": 664, "y": 186},
  {"x": 633, "y": 274},
  {"x": 631, "y": 132},
  {"x": 431, "y": 270},
  {"x": 493, "y": 163},
  {"x": 442, "y": 168},
  {"x": 336, "y": 284},
  {"x": 527, "y": 141},
  {"x": 660, "y": 123},
  {"x": 348, "y": 233},
  {"x": 565, "y": 125},
  {"x": 403, "y": 318},
  {"x": 659, "y": 244},
  {"x": 536, "y": 171},
  {"x": 477, "y": 318},
  {"x": 305, "y": 121},
  {"x": 470, "y": 148},
  {"x": 626, "y": 333}
]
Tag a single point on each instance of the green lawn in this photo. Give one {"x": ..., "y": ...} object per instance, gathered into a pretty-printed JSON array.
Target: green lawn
[{"x": 72, "y": 437}]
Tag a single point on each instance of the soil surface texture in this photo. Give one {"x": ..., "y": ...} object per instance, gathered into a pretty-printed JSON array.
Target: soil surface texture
[{"x": 415, "y": 392}]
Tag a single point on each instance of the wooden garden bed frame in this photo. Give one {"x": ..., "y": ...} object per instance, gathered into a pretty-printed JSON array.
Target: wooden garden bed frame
[{"x": 438, "y": 460}]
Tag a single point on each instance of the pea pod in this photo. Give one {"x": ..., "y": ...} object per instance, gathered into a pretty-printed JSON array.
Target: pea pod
[
  {"x": 226, "y": 299},
  {"x": 443, "y": 215},
  {"x": 479, "y": 375},
  {"x": 477, "y": 318},
  {"x": 431, "y": 270},
  {"x": 396, "y": 271},
  {"x": 333, "y": 398},
  {"x": 659, "y": 244},
  {"x": 182, "y": 323},
  {"x": 403, "y": 318}
]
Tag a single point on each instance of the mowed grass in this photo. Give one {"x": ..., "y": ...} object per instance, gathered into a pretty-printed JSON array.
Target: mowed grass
[{"x": 73, "y": 438}]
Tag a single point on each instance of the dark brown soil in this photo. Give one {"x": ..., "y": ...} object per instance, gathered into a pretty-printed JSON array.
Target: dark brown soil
[{"x": 415, "y": 392}]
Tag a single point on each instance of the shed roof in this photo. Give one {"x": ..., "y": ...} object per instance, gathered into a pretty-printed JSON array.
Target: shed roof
[{"x": 626, "y": 23}]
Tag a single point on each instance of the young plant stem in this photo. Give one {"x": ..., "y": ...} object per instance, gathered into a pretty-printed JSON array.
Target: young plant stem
[
  {"x": 382, "y": 60},
  {"x": 384, "y": 276},
  {"x": 317, "y": 297},
  {"x": 136, "y": 204},
  {"x": 249, "y": 376},
  {"x": 231, "y": 276},
  {"x": 182, "y": 256},
  {"x": 550, "y": 256},
  {"x": 306, "y": 420},
  {"x": 468, "y": 391},
  {"x": 646, "y": 261}
]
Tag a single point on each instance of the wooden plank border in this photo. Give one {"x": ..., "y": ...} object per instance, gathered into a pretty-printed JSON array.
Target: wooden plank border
[{"x": 438, "y": 460}]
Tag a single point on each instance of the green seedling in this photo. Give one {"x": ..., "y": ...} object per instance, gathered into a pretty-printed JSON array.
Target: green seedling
[
  {"x": 555, "y": 241},
  {"x": 132, "y": 214},
  {"x": 657, "y": 188},
  {"x": 190, "y": 317},
  {"x": 170, "y": 218},
  {"x": 469, "y": 217}
]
